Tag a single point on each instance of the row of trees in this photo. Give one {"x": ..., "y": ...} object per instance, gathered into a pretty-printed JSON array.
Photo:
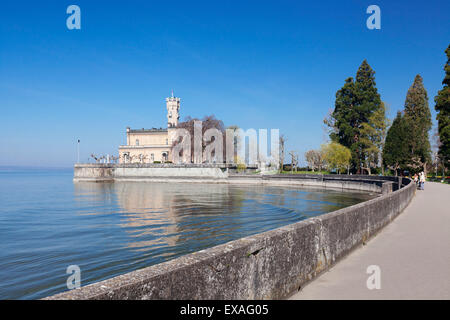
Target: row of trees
[
  {"x": 359, "y": 123},
  {"x": 407, "y": 143},
  {"x": 358, "y": 129},
  {"x": 443, "y": 117},
  {"x": 103, "y": 158}
]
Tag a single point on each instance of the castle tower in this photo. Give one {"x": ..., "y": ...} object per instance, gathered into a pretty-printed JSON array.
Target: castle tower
[
  {"x": 173, "y": 115},
  {"x": 173, "y": 108}
]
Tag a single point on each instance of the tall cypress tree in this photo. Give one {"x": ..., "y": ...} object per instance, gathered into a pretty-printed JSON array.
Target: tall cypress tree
[
  {"x": 443, "y": 117},
  {"x": 367, "y": 94},
  {"x": 369, "y": 104},
  {"x": 355, "y": 103},
  {"x": 345, "y": 116},
  {"x": 418, "y": 117},
  {"x": 395, "y": 150}
]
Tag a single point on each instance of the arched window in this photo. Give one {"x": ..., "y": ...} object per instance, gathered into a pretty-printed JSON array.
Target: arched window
[{"x": 137, "y": 142}]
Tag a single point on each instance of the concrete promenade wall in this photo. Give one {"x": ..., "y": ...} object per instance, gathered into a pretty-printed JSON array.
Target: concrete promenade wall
[
  {"x": 111, "y": 172},
  {"x": 224, "y": 174},
  {"x": 345, "y": 182},
  {"x": 269, "y": 265}
]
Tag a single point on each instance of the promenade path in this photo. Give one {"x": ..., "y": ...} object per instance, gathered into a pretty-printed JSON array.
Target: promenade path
[{"x": 413, "y": 253}]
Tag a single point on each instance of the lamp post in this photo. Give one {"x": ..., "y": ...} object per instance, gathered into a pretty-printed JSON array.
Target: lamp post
[
  {"x": 443, "y": 169},
  {"x": 436, "y": 159},
  {"x": 78, "y": 151}
]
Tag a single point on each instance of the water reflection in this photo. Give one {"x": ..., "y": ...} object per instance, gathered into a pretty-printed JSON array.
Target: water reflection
[
  {"x": 187, "y": 217},
  {"x": 48, "y": 223}
]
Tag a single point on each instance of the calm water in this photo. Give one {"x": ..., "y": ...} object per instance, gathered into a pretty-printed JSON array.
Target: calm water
[{"x": 47, "y": 223}]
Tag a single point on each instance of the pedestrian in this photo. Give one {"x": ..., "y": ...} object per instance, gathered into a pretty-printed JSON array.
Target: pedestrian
[
  {"x": 416, "y": 179},
  {"x": 422, "y": 181}
]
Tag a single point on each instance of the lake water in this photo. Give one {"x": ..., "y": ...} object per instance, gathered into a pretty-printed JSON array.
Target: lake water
[{"x": 47, "y": 223}]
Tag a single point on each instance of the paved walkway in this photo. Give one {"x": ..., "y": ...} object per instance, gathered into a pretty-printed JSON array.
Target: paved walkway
[{"x": 413, "y": 253}]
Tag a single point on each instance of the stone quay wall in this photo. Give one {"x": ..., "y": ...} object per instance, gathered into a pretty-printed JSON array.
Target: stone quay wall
[
  {"x": 110, "y": 172},
  {"x": 270, "y": 265},
  {"x": 223, "y": 173}
]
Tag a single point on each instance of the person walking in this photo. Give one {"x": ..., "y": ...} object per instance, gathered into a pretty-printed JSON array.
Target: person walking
[{"x": 422, "y": 180}]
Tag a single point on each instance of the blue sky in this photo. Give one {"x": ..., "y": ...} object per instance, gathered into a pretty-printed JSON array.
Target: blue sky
[{"x": 255, "y": 64}]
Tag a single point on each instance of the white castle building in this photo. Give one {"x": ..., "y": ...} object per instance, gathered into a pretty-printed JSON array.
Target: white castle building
[{"x": 150, "y": 145}]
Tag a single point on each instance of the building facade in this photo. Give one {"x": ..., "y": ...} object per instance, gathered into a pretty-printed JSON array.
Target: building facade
[{"x": 152, "y": 145}]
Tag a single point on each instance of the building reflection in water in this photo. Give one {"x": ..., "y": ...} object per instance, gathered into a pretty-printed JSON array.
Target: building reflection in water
[
  {"x": 171, "y": 219},
  {"x": 171, "y": 213}
]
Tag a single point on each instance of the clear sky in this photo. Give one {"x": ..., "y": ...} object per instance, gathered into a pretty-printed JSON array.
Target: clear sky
[{"x": 255, "y": 64}]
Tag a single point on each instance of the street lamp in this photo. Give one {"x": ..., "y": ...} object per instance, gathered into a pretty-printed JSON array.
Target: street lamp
[
  {"x": 443, "y": 169},
  {"x": 436, "y": 159},
  {"x": 78, "y": 151}
]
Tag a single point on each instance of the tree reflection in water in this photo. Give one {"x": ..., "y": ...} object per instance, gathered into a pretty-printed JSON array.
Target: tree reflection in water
[{"x": 177, "y": 218}]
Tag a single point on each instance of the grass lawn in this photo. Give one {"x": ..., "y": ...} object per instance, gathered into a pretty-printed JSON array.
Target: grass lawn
[{"x": 305, "y": 172}]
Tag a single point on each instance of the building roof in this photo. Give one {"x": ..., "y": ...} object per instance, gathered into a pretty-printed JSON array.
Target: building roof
[{"x": 152, "y": 130}]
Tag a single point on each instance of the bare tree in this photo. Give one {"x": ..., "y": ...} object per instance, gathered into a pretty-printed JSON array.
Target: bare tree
[
  {"x": 294, "y": 160},
  {"x": 131, "y": 157},
  {"x": 142, "y": 158},
  {"x": 315, "y": 159},
  {"x": 114, "y": 159},
  {"x": 310, "y": 159},
  {"x": 436, "y": 143},
  {"x": 124, "y": 157},
  {"x": 208, "y": 122},
  {"x": 93, "y": 156},
  {"x": 283, "y": 140}
]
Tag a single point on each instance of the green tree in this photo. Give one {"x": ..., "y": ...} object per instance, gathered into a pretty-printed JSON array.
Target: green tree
[
  {"x": 344, "y": 119},
  {"x": 373, "y": 134},
  {"x": 355, "y": 104},
  {"x": 372, "y": 117},
  {"x": 418, "y": 118},
  {"x": 336, "y": 155},
  {"x": 443, "y": 117},
  {"x": 395, "y": 150}
]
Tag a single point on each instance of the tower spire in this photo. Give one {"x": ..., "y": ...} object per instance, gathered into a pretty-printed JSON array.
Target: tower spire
[{"x": 173, "y": 107}]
